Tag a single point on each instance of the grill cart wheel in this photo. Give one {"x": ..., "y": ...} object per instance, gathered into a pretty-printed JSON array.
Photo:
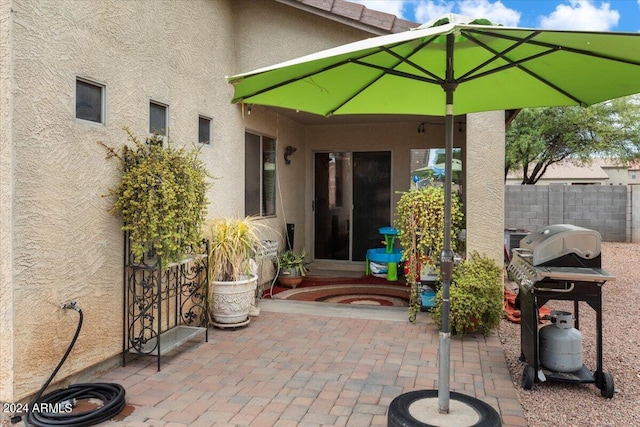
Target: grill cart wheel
[
  {"x": 528, "y": 377},
  {"x": 607, "y": 389}
]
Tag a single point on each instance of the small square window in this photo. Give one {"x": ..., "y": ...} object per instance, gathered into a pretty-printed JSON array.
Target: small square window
[
  {"x": 89, "y": 101},
  {"x": 157, "y": 118},
  {"x": 204, "y": 130}
]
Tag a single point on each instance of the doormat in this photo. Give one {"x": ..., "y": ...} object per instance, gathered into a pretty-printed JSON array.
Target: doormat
[{"x": 366, "y": 290}]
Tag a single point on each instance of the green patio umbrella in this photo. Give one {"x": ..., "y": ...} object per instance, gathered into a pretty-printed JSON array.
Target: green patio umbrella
[{"x": 487, "y": 67}]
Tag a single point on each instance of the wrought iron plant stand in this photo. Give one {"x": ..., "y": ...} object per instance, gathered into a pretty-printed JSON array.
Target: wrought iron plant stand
[{"x": 164, "y": 305}]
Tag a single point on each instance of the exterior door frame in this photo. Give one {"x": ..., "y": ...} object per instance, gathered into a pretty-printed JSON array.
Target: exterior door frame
[{"x": 351, "y": 208}]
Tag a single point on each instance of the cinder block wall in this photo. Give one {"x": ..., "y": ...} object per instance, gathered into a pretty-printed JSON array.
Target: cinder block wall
[
  {"x": 634, "y": 212},
  {"x": 606, "y": 209},
  {"x": 526, "y": 206}
]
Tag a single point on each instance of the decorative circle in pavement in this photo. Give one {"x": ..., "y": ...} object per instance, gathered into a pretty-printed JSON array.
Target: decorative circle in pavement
[{"x": 361, "y": 294}]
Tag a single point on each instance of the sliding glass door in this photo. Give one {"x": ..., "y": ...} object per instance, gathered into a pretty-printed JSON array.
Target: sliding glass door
[{"x": 352, "y": 200}]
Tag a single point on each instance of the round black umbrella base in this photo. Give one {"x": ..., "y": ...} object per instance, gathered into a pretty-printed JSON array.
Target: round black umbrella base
[{"x": 420, "y": 409}]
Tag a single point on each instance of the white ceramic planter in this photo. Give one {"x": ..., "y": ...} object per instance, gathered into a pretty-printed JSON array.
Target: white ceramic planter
[{"x": 232, "y": 300}]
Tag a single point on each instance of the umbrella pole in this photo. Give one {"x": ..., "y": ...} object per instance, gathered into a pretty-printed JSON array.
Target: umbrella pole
[{"x": 446, "y": 258}]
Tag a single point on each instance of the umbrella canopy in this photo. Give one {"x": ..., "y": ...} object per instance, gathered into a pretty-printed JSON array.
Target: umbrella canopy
[
  {"x": 488, "y": 68},
  {"x": 496, "y": 68}
]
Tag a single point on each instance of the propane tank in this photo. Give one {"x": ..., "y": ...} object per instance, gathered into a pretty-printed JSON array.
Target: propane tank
[{"x": 561, "y": 344}]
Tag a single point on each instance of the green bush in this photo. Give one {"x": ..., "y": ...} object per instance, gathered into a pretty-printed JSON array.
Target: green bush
[
  {"x": 161, "y": 197},
  {"x": 476, "y": 296}
]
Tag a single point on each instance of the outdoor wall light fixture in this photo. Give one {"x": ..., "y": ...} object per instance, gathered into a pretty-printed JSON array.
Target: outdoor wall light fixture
[{"x": 288, "y": 150}]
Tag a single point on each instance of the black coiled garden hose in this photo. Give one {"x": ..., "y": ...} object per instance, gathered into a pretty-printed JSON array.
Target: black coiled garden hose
[{"x": 54, "y": 409}]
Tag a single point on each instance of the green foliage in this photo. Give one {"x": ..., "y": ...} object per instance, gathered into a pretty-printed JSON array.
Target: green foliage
[
  {"x": 540, "y": 137},
  {"x": 233, "y": 242},
  {"x": 161, "y": 197},
  {"x": 291, "y": 260},
  {"x": 420, "y": 224},
  {"x": 476, "y": 296}
]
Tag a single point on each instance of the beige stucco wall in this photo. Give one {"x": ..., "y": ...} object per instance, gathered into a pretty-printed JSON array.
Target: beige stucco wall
[
  {"x": 617, "y": 176},
  {"x": 485, "y": 184},
  {"x": 63, "y": 242},
  {"x": 268, "y": 32},
  {"x": 6, "y": 195}
]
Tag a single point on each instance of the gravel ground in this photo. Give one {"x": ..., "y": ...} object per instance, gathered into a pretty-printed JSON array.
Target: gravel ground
[{"x": 556, "y": 404}]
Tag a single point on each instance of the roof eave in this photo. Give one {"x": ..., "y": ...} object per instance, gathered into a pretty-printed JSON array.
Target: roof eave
[{"x": 324, "y": 9}]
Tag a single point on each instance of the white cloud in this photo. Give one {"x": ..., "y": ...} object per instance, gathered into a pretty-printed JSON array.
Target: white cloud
[
  {"x": 496, "y": 12},
  {"x": 429, "y": 10},
  {"x": 581, "y": 15}
]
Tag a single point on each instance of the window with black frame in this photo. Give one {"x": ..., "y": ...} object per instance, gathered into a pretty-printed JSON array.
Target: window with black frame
[
  {"x": 158, "y": 118},
  {"x": 204, "y": 130},
  {"x": 89, "y": 101},
  {"x": 260, "y": 175}
]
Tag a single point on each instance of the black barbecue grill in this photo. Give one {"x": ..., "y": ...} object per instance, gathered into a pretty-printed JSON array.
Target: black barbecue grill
[{"x": 559, "y": 262}]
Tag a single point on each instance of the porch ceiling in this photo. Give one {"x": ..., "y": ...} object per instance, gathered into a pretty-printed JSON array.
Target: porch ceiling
[{"x": 313, "y": 119}]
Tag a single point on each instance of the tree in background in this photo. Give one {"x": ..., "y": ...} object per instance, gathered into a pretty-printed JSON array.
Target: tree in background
[{"x": 540, "y": 137}]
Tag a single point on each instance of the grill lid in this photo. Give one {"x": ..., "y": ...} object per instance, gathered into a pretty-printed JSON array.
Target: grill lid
[{"x": 553, "y": 243}]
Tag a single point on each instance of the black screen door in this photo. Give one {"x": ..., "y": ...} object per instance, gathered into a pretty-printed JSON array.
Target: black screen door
[{"x": 352, "y": 200}]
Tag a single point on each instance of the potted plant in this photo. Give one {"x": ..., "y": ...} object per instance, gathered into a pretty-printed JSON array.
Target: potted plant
[
  {"x": 161, "y": 197},
  {"x": 234, "y": 245},
  {"x": 420, "y": 224},
  {"x": 291, "y": 267},
  {"x": 476, "y": 296}
]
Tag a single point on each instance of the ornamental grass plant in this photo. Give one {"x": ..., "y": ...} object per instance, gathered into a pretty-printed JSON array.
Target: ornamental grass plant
[{"x": 233, "y": 242}]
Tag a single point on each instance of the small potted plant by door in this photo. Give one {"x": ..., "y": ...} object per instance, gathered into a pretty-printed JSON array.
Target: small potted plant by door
[
  {"x": 234, "y": 243},
  {"x": 291, "y": 268}
]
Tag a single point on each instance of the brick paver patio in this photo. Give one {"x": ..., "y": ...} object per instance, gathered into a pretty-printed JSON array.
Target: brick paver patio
[{"x": 307, "y": 367}]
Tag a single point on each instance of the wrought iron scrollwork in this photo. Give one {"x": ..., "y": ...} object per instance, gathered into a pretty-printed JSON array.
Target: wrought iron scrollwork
[{"x": 161, "y": 297}]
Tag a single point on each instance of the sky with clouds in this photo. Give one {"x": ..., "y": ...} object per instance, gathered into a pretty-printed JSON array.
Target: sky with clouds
[{"x": 591, "y": 15}]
